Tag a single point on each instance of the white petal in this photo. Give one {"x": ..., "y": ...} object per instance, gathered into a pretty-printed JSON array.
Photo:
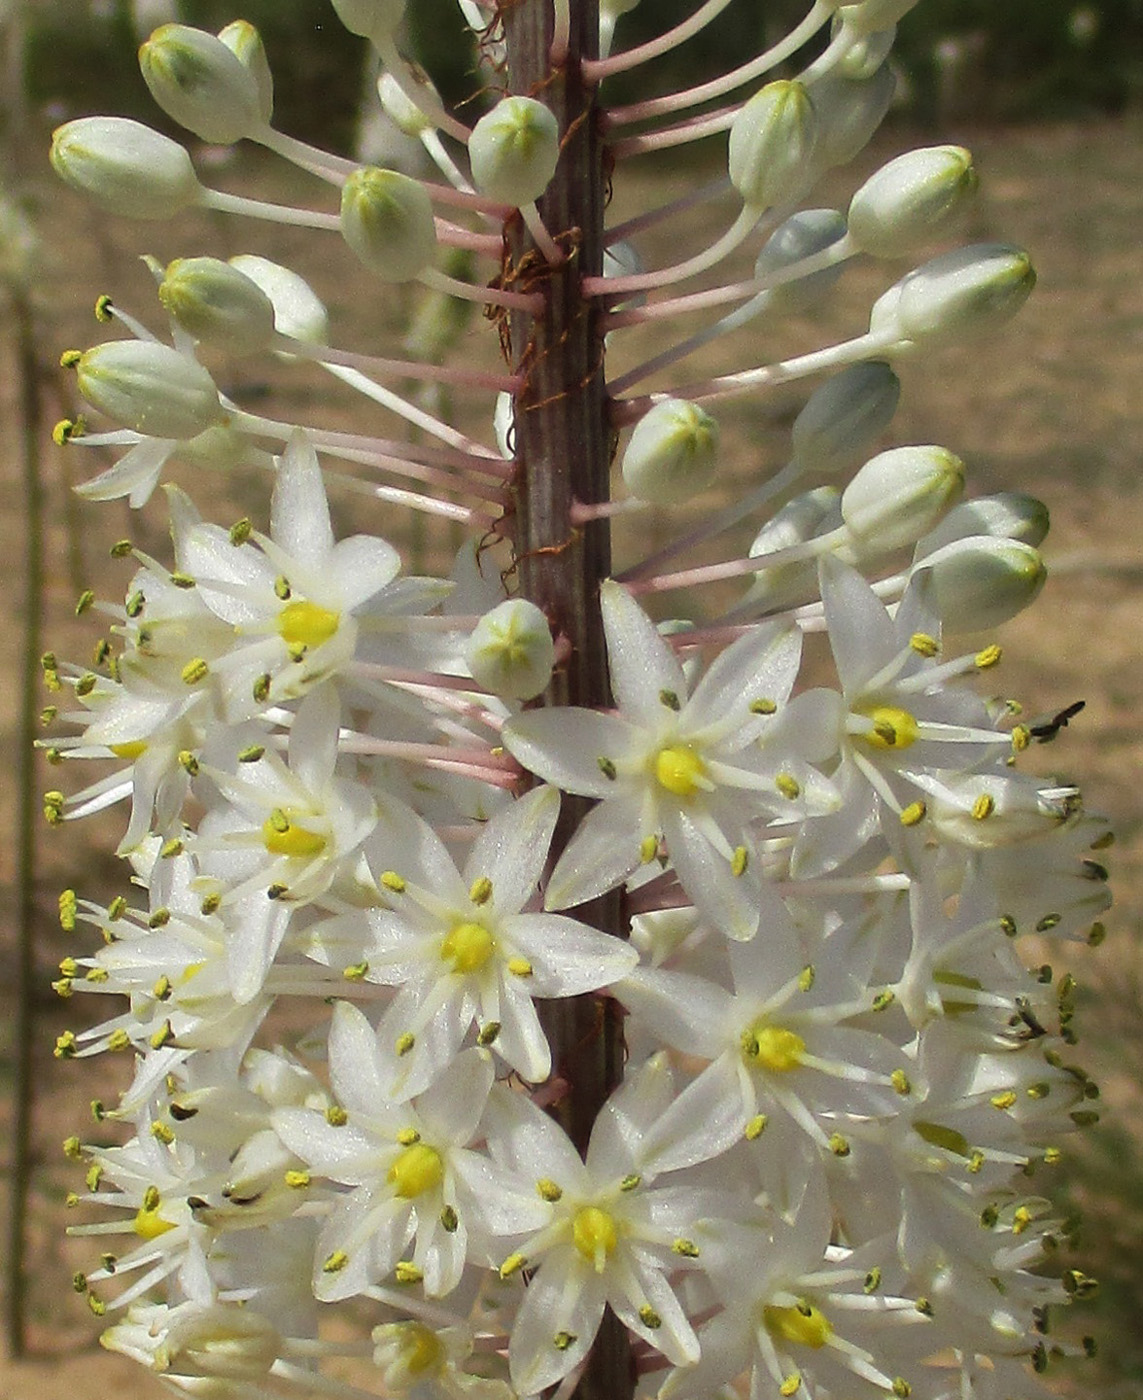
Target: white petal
[
  {"x": 688, "y": 1013},
  {"x": 360, "y": 567},
  {"x": 568, "y": 957},
  {"x": 313, "y": 737},
  {"x": 860, "y": 631},
  {"x": 565, "y": 1295},
  {"x": 642, "y": 664},
  {"x": 511, "y": 849},
  {"x": 299, "y": 512},
  {"x": 564, "y": 747},
  {"x": 726, "y": 899},
  {"x": 521, "y": 1042},
  {"x": 760, "y": 666},
  {"x": 601, "y": 854},
  {"x": 452, "y": 1107},
  {"x": 357, "y": 1072}
]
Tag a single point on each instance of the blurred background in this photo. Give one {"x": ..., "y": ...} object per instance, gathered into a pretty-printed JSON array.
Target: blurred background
[{"x": 1048, "y": 94}]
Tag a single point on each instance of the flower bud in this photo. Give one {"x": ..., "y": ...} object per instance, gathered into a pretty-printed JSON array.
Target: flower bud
[
  {"x": 372, "y": 19},
  {"x": 803, "y": 234},
  {"x": 987, "y": 810},
  {"x": 125, "y": 167},
  {"x": 962, "y": 293},
  {"x": 387, "y": 219},
  {"x": 511, "y": 652},
  {"x": 673, "y": 453},
  {"x": 980, "y": 581},
  {"x": 800, "y": 520},
  {"x": 771, "y": 144},
  {"x": 514, "y": 150},
  {"x": 869, "y": 16},
  {"x": 223, "y": 1340},
  {"x": 150, "y": 387},
  {"x": 844, "y": 416},
  {"x": 196, "y": 79},
  {"x": 899, "y": 495},
  {"x": 849, "y": 112},
  {"x": 216, "y": 303},
  {"x": 863, "y": 58},
  {"x": 910, "y": 199},
  {"x": 1008, "y": 515},
  {"x": 399, "y": 107},
  {"x": 245, "y": 43},
  {"x": 297, "y": 311}
]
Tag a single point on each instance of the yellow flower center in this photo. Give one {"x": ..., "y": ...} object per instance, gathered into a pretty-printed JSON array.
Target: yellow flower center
[
  {"x": 305, "y": 624},
  {"x": 130, "y": 750},
  {"x": 468, "y": 947},
  {"x": 282, "y": 838},
  {"x": 804, "y": 1324},
  {"x": 773, "y": 1047},
  {"x": 893, "y": 728},
  {"x": 680, "y": 770},
  {"x": 149, "y": 1224},
  {"x": 418, "y": 1169},
  {"x": 594, "y": 1235},
  {"x": 422, "y": 1351}
]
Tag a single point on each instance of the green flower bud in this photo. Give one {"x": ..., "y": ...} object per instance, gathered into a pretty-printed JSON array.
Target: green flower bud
[
  {"x": 245, "y": 43},
  {"x": 297, "y": 311},
  {"x": 511, "y": 652},
  {"x": 372, "y": 19},
  {"x": 910, "y": 199},
  {"x": 387, "y": 219},
  {"x": 844, "y": 416},
  {"x": 981, "y": 581},
  {"x": 863, "y": 58},
  {"x": 150, "y": 387},
  {"x": 1009, "y": 515},
  {"x": 771, "y": 144},
  {"x": 899, "y": 495},
  {"x": 673, "y": 453},
  {"x": 965, "y": 292},
  {"x": 401, "y": 110},
  {"x": 125, "y": 167},
  {"x": 216, "y": 303},
  {"x": 801, "y": 519},
  {"x": 803, "y": 234},
  {"x": 514, "y": 150},
  {"x": 200, "y": 82},
  {"x": 849, "y": 112}
]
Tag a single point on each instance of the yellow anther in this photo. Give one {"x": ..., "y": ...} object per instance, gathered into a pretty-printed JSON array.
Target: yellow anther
[
  {"x": 118, "y": 1040},
  {"x": 1021, "y": 1219},
  {"x": 407, "y": 1136},
  {"x": 406, "y": 1272},
  {"x": 282, "y": 837},
  {"x": 93, "y": 1178},
  {"x": 450, "y": 1221},
  {"x": 70, "y": 358},
  {"x": 631, "y": 1182},
  {"x": 67, "y": 908},
  {"x": 53, "y": 807},
  {"x": 1052, "y": 1156},
  {"x": 298, "y": 1181},
  {"x": 163, "y": 1036},
  {"x": 648, "y": 849},
  {"x": 893, "y": 727},
  {"x": 404, "y": 1043},
  {"x": 84, "y": 601},
  {"x": 335, "y": 1262},
  {"x": 788, "y": 786},
  {"x": 913, "y": 814},
  {"x": 356, "y": 972},
  {"x": 281, "y": 588},
  {"x": 62, "y": 987},
  {"x": 251, "y": 754},
  {"x": 594, "y": 1235},
  {"x": 467, "y": 947},
  {"x": 680, "y": 770},
  {"x": 763, "y": 706},
  {"x": 755, "y": 1127},
  {"x": 1003, "y": 1101},
  {"x": 773, "y": 1047},
  {"x": 976, "y": 1161},
  {"x": 512, "y": 1265},
  {"x": 808, "y": 1328},
  {"x": 790, "y": 1385},
  {"x": 418, "y": 1169},
  {"x": 488, "y": 1033},
  {"x": 336, "y": 1116},
  {"x": 241, "y": 531},
  {"x": 807, "y": 977},
  {"x": 739, "y": 861},
  {"x": 195, "y": 671},
  {"x": 180, "y": 580},
  {"x": 983, "y": 807},
  {"x": 261, "y": 688},
  {"x": 159, "y": 918},
  {"x": 169, "y": 849},
  {"x": 924, "y": 645},
  {"x": 937, "y": 1135},
  {"x": 162, "y": 1133},
  {"x": 670, "y": 700},
  {"x": 684, "y": 1248},
  {"x": 481, "y": 891},
  {"x": 392, "y": 882},
  {"x": 1021, "y": 738},
  {"x": 988, "y": 657},
  {"x": 900, "y": 1081},
  {"x": 563, "y": 1340},
  {"x": 72, "y": 1148},
  {"x": 97, "y": 1305},
  {"x": 305, "y": 624},
  {"x": 211, "y": 903},
  {"x": 548, "y": 1189},
  {"x": 872, "y": 1280},
  {"x": 838, "y": 1145},
  {"x": 650, "y": 1318},
  {"x": 607, "y": 768},
  {"x": 519, "y": 967}
]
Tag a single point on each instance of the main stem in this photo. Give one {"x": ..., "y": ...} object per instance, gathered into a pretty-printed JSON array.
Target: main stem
[{"x": 563, "y": 455}]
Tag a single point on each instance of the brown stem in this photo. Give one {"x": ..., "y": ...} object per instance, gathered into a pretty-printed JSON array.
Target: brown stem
[{"x": 563, "y": 453}]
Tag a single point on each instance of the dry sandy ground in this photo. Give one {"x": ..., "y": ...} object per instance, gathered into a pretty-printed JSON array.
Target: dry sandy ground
[{"x": 1051, "y": 407}]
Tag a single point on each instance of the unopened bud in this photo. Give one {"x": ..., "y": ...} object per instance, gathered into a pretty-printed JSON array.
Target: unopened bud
[
  {"x": 200, "y": 82},
  {"x": 1010, "y": 515},
  {"x": 224, "y": 1340},
  {"x": 771, "y": 144},
  {"x": 387, "y": 219},
  {"x": 399, "y": 107},
  {"x": 867, "y": 54},
  {"x": 900, "y": 495},
  {"x": 673, "y": 453},
  {"x": 150, "y": 387},
  {"x": 910, "y": 199},
  {"x": 803, "y": 234},
  {"x": 514, "y": 150},
  {"x": 980, "y": 582},
  {"x": 800, "y": 520},
  {"x": 511, "y": 652},
  {"x": 849, "y": 112},
  {"x": 245, "y": 43},
  {"x": 844, "y": 416},
  {"x": 297, "y": 311},
  {"x": 216, "y": 303},
  {"x": 962, "y": 293},
  {"x": 372, "y": 19},
  {"x": 125, "y": 167},
  {"x": 869, "y": 16}
]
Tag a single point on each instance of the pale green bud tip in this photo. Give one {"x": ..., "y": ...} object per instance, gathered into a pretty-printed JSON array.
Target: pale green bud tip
[
  {"x": 771, "y": 143},
  {"x": 514, "y": 150},
  {"x": 961, "y": 293},
  {"x": 981, "y": 581},
  {"x": 196, "y": 79},
  {"x": 871, "y": 16},
  {"x": 298, "y": 312},
  {"x": 511, "y": 652},
  {"x": 216, "y": 303},
  {"x": 387, "y": 219},
  {"x": 125, "y": 167},
  {"x": 245, "y": 43},
  {"x": 373, "y": 19},
  {"x": 911, "y": 199},
  {"x": 149, "y": 387},
  {"x": 399, "y": 107},
  {"x": 899, "y": 495},
  {"x": 673, "y": 453}
]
